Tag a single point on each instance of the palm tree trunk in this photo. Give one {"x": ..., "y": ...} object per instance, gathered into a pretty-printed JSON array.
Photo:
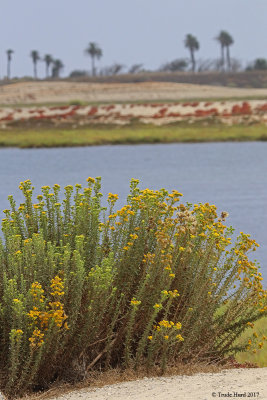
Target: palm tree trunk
[
  {"x": 35, "y": 70},
  {"x": 193, "y": 61},
  {"x": 47, "y": 71},
  {"x": 222, "y": 57},
  {"x": 8, "y": 69},
  {"x": 228, "y": 58},
  {"x": 93, "y": 65}
]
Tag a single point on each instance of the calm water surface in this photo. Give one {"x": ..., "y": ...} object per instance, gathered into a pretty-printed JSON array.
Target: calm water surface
[{"x": 231, "y": 175}]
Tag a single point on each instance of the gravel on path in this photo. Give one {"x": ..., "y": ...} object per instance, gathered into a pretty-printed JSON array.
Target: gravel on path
[{"x": 249, "y": 383}]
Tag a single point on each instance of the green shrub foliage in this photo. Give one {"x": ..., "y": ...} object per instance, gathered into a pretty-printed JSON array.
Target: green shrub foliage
[{"x": 86, "y": 287}]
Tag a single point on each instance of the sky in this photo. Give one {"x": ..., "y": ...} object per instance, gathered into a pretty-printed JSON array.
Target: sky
[{"x": 149, "y": 32}]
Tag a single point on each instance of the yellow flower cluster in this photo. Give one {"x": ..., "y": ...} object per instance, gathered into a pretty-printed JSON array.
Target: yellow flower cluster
[
  {"x": 149, "y": 258},
  {"x": 135, "y": 302},
  {"x": 168, "y": 324},
  {"x": 16, "y": 334},
  {"x": 112, "y": 197},
  {"x": 173, "y": 293},
  {"x": 207, "y": 210},
  {"x": 57, "y": 314},
  {"x": 41, "y": 317},
  {"x": 168, "y": 330},
  {"x": 133, "y": 236},
  {"x": 37, "y": 291},
  {"x": 175, "y": 195},
  {"x": 123, "y": 213},
  {"x": 57, "y": 287},
  {"x": 259, "y": 344},
  {"x": 68, "y": 188},
  {"x": 25, "y": 184},
  {"x": 36, "y": 340},
  {"x": 90, "y": 180},
  {"x": 34, "y": 313}
]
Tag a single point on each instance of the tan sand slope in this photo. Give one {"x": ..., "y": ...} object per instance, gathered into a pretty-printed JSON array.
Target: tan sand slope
[
  {"x": 233, "y": 383},
  {"x": 54, "y": 92}
]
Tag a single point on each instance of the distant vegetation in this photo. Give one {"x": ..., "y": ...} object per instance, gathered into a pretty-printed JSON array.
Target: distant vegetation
[
  {"x": 48, "y": 59},
  {"x": 192, "y": 44},
  {"x": 95, "y": 52},
  {"x": 9, "y": 59},
  {"x": 224, "y": 63},
  {"x": 57, "y": 65},
  {"x": 259, "y": 64},
  {"x": 225, "y": 40}
]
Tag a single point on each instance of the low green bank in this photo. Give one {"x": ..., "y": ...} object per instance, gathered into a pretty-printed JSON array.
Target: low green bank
[
  {"x": 257, "y": 355},
  {"x": 134, "y": 134}
]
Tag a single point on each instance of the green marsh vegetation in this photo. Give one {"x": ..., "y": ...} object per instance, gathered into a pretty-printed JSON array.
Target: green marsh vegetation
[
  {"x": 133, "y": 134},
  {"x": 87, "y": 288},
  {"x": 258, "y": 355}
]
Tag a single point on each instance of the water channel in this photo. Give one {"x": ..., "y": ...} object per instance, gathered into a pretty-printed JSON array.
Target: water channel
[{"x": 233, "y": 176}]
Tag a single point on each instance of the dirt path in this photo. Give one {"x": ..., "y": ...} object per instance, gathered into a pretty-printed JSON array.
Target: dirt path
[
  {"x": 53, "y": 92},
  {"x": 234, "y": 383}
]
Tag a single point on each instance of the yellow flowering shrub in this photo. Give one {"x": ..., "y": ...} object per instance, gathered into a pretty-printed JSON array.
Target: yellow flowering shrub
[{"x": 85, "y": 287}]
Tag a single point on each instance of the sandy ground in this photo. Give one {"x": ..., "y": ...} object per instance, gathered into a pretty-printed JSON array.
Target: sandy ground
[
  {"x": 53, "y": 92},
  {"x": 234, "y": 383}
]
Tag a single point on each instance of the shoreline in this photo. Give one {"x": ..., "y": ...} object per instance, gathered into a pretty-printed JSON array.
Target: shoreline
[{"x": 47, "y": 137}]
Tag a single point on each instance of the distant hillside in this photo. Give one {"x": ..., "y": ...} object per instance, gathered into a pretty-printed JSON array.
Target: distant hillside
[
  {"x": 66, "y": 92},
  {"x": 247, "y": 79}
]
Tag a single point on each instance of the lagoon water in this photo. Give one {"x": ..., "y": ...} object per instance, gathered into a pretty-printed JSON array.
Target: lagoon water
[{"x": 233, "y": 176}]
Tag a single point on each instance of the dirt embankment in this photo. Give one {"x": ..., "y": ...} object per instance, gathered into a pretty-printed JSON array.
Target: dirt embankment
[
  {"x": 64, "y": 92},
  {"x": 226, "y": 111}
]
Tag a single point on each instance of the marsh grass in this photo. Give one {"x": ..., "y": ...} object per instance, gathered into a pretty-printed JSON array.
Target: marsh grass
[
  {"x": 256, "y": 355},
  {"x": 134, "y": 134},
  {"x": 89, "y": 288}
]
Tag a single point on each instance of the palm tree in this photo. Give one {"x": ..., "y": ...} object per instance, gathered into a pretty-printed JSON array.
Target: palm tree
[
  {"x": 57, "y": 67},
  {"x": 35, "y": 58},
  {"x": 229, "y": 41},
  {"x": 9, "y": 53},
  {"x": 48, "y": 59},
  {"x": 192, "y": 44},
  {"x": 225, "y": 40},
  {"x": 94, "y": 51}
]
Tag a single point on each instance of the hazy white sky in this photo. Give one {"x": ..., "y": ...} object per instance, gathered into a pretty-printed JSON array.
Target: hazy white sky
[{"x": 129, "y": 31}]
